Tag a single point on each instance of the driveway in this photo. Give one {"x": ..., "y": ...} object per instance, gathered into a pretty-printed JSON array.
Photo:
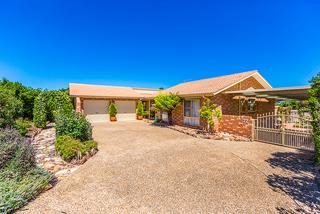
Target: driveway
[{"x": 141, "y": 168}]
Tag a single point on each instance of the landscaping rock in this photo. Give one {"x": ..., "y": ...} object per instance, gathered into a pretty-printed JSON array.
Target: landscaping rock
[
  {"x": 198, "y": 133},
  {"x": 46, "y": 157}
]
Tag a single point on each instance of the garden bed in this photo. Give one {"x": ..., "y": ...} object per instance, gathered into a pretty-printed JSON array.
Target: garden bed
[
  {"x": 198, "y": 133},
  {"x": 47, "y": 157}
]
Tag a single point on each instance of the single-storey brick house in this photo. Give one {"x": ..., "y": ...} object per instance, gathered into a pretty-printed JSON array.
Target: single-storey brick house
[{"x": 93, "y": 100}]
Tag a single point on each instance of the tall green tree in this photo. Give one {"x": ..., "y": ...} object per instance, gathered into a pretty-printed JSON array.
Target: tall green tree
[
  {"x": 314, "y": 108},
  {"x": 167, "y": 103}
]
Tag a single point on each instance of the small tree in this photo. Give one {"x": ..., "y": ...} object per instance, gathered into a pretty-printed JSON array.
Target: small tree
[
  {"x": 209, "y": 112},
  {"x": 167, "y": 103},
  {"x": 113, "y": 111},
  {"x": 314, "y": 107},
  {"x": 140, "y": 108}
]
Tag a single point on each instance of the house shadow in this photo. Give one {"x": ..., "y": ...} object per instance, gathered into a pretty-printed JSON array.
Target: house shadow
[{"x": 299, "y": 180}]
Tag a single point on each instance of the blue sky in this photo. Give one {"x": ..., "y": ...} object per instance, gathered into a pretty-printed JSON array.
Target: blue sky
[{"x": 151, "y": 43}]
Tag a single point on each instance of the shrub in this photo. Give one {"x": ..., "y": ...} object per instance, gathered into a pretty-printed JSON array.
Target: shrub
[
  {"x": 9, "y": 141},
  {"x": 88, "y": 146},
  {"x": 49, "y": 103},
  {"x": 314, "y": 107},
  {"x": 15, "y": 154},
  {"x": 67, "y": 147},
  {"x": 70, "y": 148},
  {"x": 73, "y": 124},
  {"x": 22, "y": 125},
  {"x": 25, "y": 95},
  {"x": 167, "y": 103},
  {"x": 113, "y": 111},
  {"x": 10, "y": 108},
  {"x": 208, "y": 112},
  {"x": 140, "y": 109},
  {"x": 40, "y": 110}
]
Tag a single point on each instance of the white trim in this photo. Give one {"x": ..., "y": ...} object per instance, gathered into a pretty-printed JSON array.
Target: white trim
[{"x": 263, "y": 82}]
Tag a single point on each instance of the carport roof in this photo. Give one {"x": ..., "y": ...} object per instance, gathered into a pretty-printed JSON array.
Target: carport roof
[
  {"x": 102, "y": 91},
  {"x": 296, "y": 93}
]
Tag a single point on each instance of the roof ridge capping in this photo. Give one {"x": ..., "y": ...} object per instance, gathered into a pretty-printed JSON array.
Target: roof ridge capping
[
  {"x": 114, "y": 86},
  {"x": 251, "y": 71}
]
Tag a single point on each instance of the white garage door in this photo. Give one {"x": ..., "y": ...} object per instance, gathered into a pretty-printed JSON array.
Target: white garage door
[
  {"x": 126, "y": 110},
  {"x": 96, "y": 110}
]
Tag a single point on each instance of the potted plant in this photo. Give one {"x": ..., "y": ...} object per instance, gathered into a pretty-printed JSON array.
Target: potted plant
[
  {"x": 140, "y": 110},
  {"x": 113, "y": 112}
]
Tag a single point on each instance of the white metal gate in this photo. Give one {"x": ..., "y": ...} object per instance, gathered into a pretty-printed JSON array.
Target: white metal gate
[{"x": 287, "y": 130}]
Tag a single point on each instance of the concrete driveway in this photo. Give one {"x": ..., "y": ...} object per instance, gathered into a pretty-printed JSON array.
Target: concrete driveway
[{"x": 145, "y": 169}]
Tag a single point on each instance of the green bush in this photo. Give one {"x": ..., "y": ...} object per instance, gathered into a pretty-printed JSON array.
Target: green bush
[
  {"x": 167, "y": 103},
  {"x": 49, "y": 103},
  {"x": 10, "y": 108},
  {"x": 73, "y": 124},
  {"x": 87, "y": 146},
  {"x": 314, "y": 108},
  {"x": 22, "y": 125},
  {"x": 140, "y": 108},
  {"x": 113, "y": 111},
  {"x": 40, "y": 110},
  {"x": 70, "y": 148},
  {"x": 208, "y": 112},
  {"x": 25, "y": 95}
]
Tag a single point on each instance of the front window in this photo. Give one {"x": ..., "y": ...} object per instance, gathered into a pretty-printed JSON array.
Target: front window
[
  {"x": 191, "y": 108},
  {"x": 191, "y": 112}
]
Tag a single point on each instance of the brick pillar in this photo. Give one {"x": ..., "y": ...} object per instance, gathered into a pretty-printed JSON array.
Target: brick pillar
[{"x": 79, "y": 105}]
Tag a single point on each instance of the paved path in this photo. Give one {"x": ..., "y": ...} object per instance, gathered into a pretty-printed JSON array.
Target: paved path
[{"x": 145, "y": 169}]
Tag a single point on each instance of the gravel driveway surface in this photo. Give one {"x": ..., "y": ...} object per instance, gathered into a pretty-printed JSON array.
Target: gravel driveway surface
[{"x": 141, "y": 168}]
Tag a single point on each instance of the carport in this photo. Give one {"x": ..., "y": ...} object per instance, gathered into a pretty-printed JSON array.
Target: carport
[
  {"x": 289, "y": 93},
  {"x": 286, "y": 129}
]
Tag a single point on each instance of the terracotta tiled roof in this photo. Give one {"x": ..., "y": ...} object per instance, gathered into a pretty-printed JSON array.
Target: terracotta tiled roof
[
  {"x": 211, "y": 85},
  {"x": 85, "y": 90},
  {"x": 199, "y": 87}
]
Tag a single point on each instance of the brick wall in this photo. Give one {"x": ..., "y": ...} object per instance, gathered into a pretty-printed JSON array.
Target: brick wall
[
  {"x": 238, "y": 125},
  {"x": 79, "y": 105},
  {"x": 177, "y": 115},
  {"x": 230, "y": 106}
]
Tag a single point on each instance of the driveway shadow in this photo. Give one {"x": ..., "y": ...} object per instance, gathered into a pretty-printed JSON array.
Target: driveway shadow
[{"x": 298, "y": 180}]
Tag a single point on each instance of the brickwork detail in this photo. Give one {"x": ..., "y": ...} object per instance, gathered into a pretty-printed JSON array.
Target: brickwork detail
[
  {"x": 230, "y": 110},
  {"x": 177, "y": 115},
  {"x": 79, "y": 105},
  {"x": 238, "y": 125}
]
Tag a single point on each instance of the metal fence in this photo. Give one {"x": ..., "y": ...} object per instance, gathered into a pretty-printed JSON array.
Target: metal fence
[{"x": 287, "y": 130}]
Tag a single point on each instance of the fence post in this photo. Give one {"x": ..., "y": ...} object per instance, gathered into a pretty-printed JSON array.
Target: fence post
[
  {"x": 282, "y": 129},
  {"x": 253, "y": 121}
]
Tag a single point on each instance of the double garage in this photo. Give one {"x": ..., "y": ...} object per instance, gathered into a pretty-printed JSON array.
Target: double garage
[{"x": 96, "y": 110}]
